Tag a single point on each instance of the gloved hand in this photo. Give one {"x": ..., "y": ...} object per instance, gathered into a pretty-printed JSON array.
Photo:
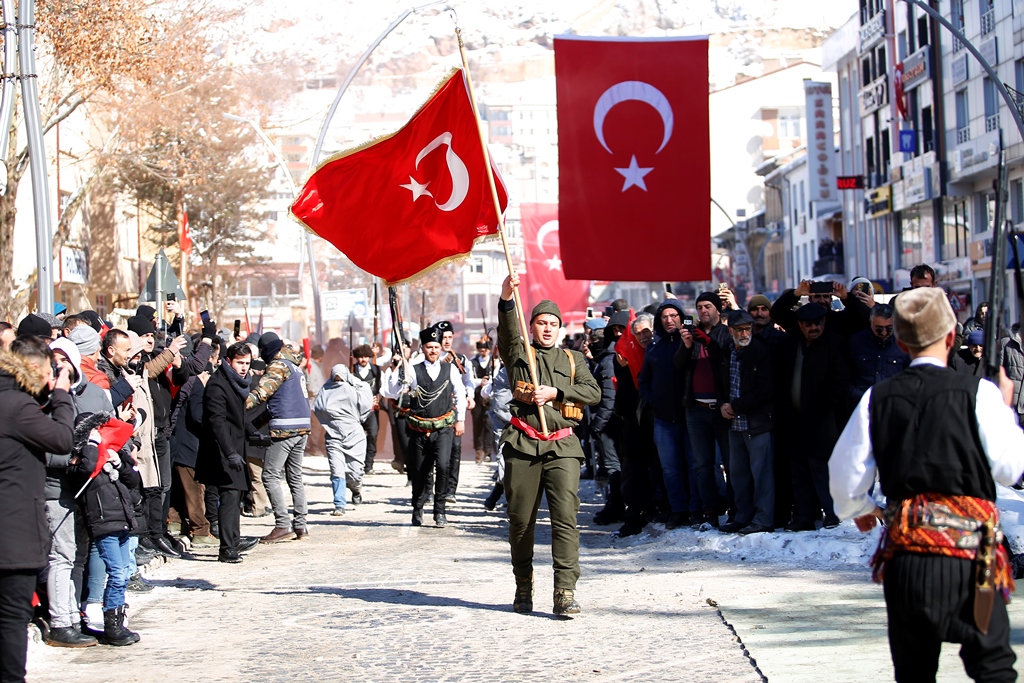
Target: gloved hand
[
  {"x": 701, "y": 336},
  {"x": 209, "y": 330},
  {"x": 236, "y": 462}
]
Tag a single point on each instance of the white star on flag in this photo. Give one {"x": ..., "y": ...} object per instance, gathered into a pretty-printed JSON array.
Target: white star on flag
[
  {"x": 417, "y": 189},
  {"x": 554, "y": 263},
  {"x": 634, "y": 175}
]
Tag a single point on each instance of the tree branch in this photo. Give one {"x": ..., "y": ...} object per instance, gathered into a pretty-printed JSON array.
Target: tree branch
[{"x": 61, "y": 115}]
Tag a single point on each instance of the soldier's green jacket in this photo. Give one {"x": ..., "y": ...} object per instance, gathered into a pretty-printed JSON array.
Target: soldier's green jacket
[{"x": 553, "y": 370}]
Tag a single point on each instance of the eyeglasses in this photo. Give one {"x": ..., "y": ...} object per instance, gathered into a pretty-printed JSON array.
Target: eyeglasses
[{"x": 880, "y": 330}]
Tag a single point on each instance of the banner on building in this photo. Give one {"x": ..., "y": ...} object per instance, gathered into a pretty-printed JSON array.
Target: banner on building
[
  {"x": 634, "y": 157},
  {"x": 544, "y": 278},
  {"x": 821, "y": 147}
]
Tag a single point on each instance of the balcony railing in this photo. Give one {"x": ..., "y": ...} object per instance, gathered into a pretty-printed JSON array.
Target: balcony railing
[
  {"x": 991, "y": 123},
  {"x": 963, "y": 135},
  {"x": 957, "y": 45},
  {"x": 988, "y": 22}
]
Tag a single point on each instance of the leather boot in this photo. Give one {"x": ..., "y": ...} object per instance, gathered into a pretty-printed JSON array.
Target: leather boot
[
  {"x": 565, "y": 603},
  {"x": 69, "y": 636},
  {"x": 114, "y": 632},
  {"x": 523, "y": 602},
  {"x": 417, "y": 517}
]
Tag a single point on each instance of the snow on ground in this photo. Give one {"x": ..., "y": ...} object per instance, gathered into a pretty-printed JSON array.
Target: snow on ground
[{"x": 844, "y": 545}]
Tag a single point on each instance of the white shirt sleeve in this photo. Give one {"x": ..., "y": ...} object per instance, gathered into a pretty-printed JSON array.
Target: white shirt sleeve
[
  {"x": 391, "y": 385},
  {"x": 851, "y": 469},
  {"x": 1001, "y": 438},
  {"x": 460, "y": 394}
]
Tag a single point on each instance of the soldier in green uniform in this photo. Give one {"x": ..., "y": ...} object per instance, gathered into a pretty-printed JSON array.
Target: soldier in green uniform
[{"x": 536, "y": 463}]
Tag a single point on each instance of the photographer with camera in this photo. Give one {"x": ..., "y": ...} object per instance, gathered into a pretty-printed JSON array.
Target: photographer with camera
[{"x": 699, "y": 358}]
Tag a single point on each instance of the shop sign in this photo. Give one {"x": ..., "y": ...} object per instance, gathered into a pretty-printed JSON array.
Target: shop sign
[
  {"x": 875, "y": 95},
  {"x": 872, "y": 32},
  {"x": 899, "y": 198},
  {"x": 878, "y": 202},
  {"x": 821, "y": 148},
  {"x": 916, "y": 68},
  {"x": 918, "y": 186}
]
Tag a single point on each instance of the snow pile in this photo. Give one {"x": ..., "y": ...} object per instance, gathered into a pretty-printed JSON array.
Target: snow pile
[
  {"x": 1011, "y": 516},
  {"x": 843, "y": 545}
]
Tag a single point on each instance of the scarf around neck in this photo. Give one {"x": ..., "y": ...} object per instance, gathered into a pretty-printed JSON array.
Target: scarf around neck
[{"x": 238, "y": 383}]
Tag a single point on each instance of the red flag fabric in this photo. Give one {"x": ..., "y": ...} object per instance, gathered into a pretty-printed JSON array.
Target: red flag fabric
[
  {"x": 403, "y": 204},
  {"x": 544, "y": 278},
  {"x": 629, "y": 348},
  {"x": 634, "y": 162},
  {"x": 114, "y": 434},
  {"x": 184, "y": 234}
]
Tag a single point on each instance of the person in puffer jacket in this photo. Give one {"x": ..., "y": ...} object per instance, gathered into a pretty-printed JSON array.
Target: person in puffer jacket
[{"x": 109, "y": 516}]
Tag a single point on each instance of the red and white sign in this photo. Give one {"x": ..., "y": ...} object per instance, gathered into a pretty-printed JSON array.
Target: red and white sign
[
  {"x": 634, "y": 159},
  {"x": 821, "y": 146},
  {"x": 544, "y": 278}
]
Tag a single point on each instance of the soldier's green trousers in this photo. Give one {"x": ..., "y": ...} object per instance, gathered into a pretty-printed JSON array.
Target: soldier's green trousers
[{"x": 527, "y": 478}]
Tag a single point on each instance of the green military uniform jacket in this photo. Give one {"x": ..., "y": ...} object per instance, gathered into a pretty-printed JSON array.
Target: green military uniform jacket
[{"x": 553, "y": 370}]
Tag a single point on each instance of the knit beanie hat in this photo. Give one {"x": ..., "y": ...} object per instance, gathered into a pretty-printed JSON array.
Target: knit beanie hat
[
  {"x": 32, "y": 324},
  {"x": 715, "y": 300},
  {"x": 269, "y": 345},
  {"x": 141, "y": 326},
  {"x": 86, "y": 339},
  {"x": 759, "y": 300},
  {"x": 976, "y": 338},
  {"x": 144, "y": 311},
  {"x": 546, "y": 307},
  {"x": 923, "y": 316}
]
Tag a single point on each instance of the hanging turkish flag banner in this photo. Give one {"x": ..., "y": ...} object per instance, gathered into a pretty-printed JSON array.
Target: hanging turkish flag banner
[
  {"x": 544, "y": 278},
  {"x": 634, "y": 162},
  {"x": 184, "y": 234},
  {"x": 400, "y": 205}
]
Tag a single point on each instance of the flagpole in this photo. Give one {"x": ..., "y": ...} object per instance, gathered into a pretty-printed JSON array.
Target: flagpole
[{"x": 524, "y": 328}]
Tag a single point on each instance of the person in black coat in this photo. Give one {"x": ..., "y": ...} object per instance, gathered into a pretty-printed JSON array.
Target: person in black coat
[
  {"x": 221, "y": 459},
  {"x": 811, "y": 379},
  {"x": 36, "y": 417}
]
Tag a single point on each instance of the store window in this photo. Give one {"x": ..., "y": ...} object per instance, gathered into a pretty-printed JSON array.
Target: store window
[
  {"x": 910, "y": 238},
  {"x": 956, "y": 230}
]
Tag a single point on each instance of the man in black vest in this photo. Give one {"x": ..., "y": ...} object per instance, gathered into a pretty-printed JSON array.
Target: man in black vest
[
  {"x": 939, "y": 441},
  {"x": 366, "y": 370},
  {"x": 460, "y": 364},
  {"x": 435, "y": 413}
]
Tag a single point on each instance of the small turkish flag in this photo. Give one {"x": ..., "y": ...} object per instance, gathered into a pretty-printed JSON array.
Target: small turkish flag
[
  {"x": 544, "y": 278},
  {"x": 399, "y": 206},
  {"x": 634, "y": 162},
  {"x": 184, "y": 234}
]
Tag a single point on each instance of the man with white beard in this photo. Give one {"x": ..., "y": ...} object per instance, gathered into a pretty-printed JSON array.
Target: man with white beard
[{"x": 747, "y": 389}]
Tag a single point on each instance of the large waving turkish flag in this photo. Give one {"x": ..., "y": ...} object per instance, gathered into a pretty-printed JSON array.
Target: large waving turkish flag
[
  {"x": 544, "y": 278},
  {"x": 634, "y": 163},
  {"x": 402, "y": 204}
]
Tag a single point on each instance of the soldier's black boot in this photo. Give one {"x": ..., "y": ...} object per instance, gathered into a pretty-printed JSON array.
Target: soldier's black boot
[
  {"x": 565, "y": 603},
  {"x": 523, "y": 602},
  {"x": 417, "y": 517}
]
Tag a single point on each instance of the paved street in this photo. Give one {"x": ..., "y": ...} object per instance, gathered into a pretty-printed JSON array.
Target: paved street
[{"x": 370, "y": 598}]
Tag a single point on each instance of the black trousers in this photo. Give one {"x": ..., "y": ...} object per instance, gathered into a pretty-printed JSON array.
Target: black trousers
[
  {"x": 454, "y": 464},
  {"x": 153, "y": 506},
  {"x": 929, "y": 599},
  {"x": 211, "y": 500},
  {"x": 810, "y": 488},
  {"x": 163, "y": 461},
  {"x": 370, "y": 428},
  {"x": 430, "y": 451},
  {"x": 642, "y": 486},
  {"x": 16, "y": 588},
  {"x": 230, "y": 515}
]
